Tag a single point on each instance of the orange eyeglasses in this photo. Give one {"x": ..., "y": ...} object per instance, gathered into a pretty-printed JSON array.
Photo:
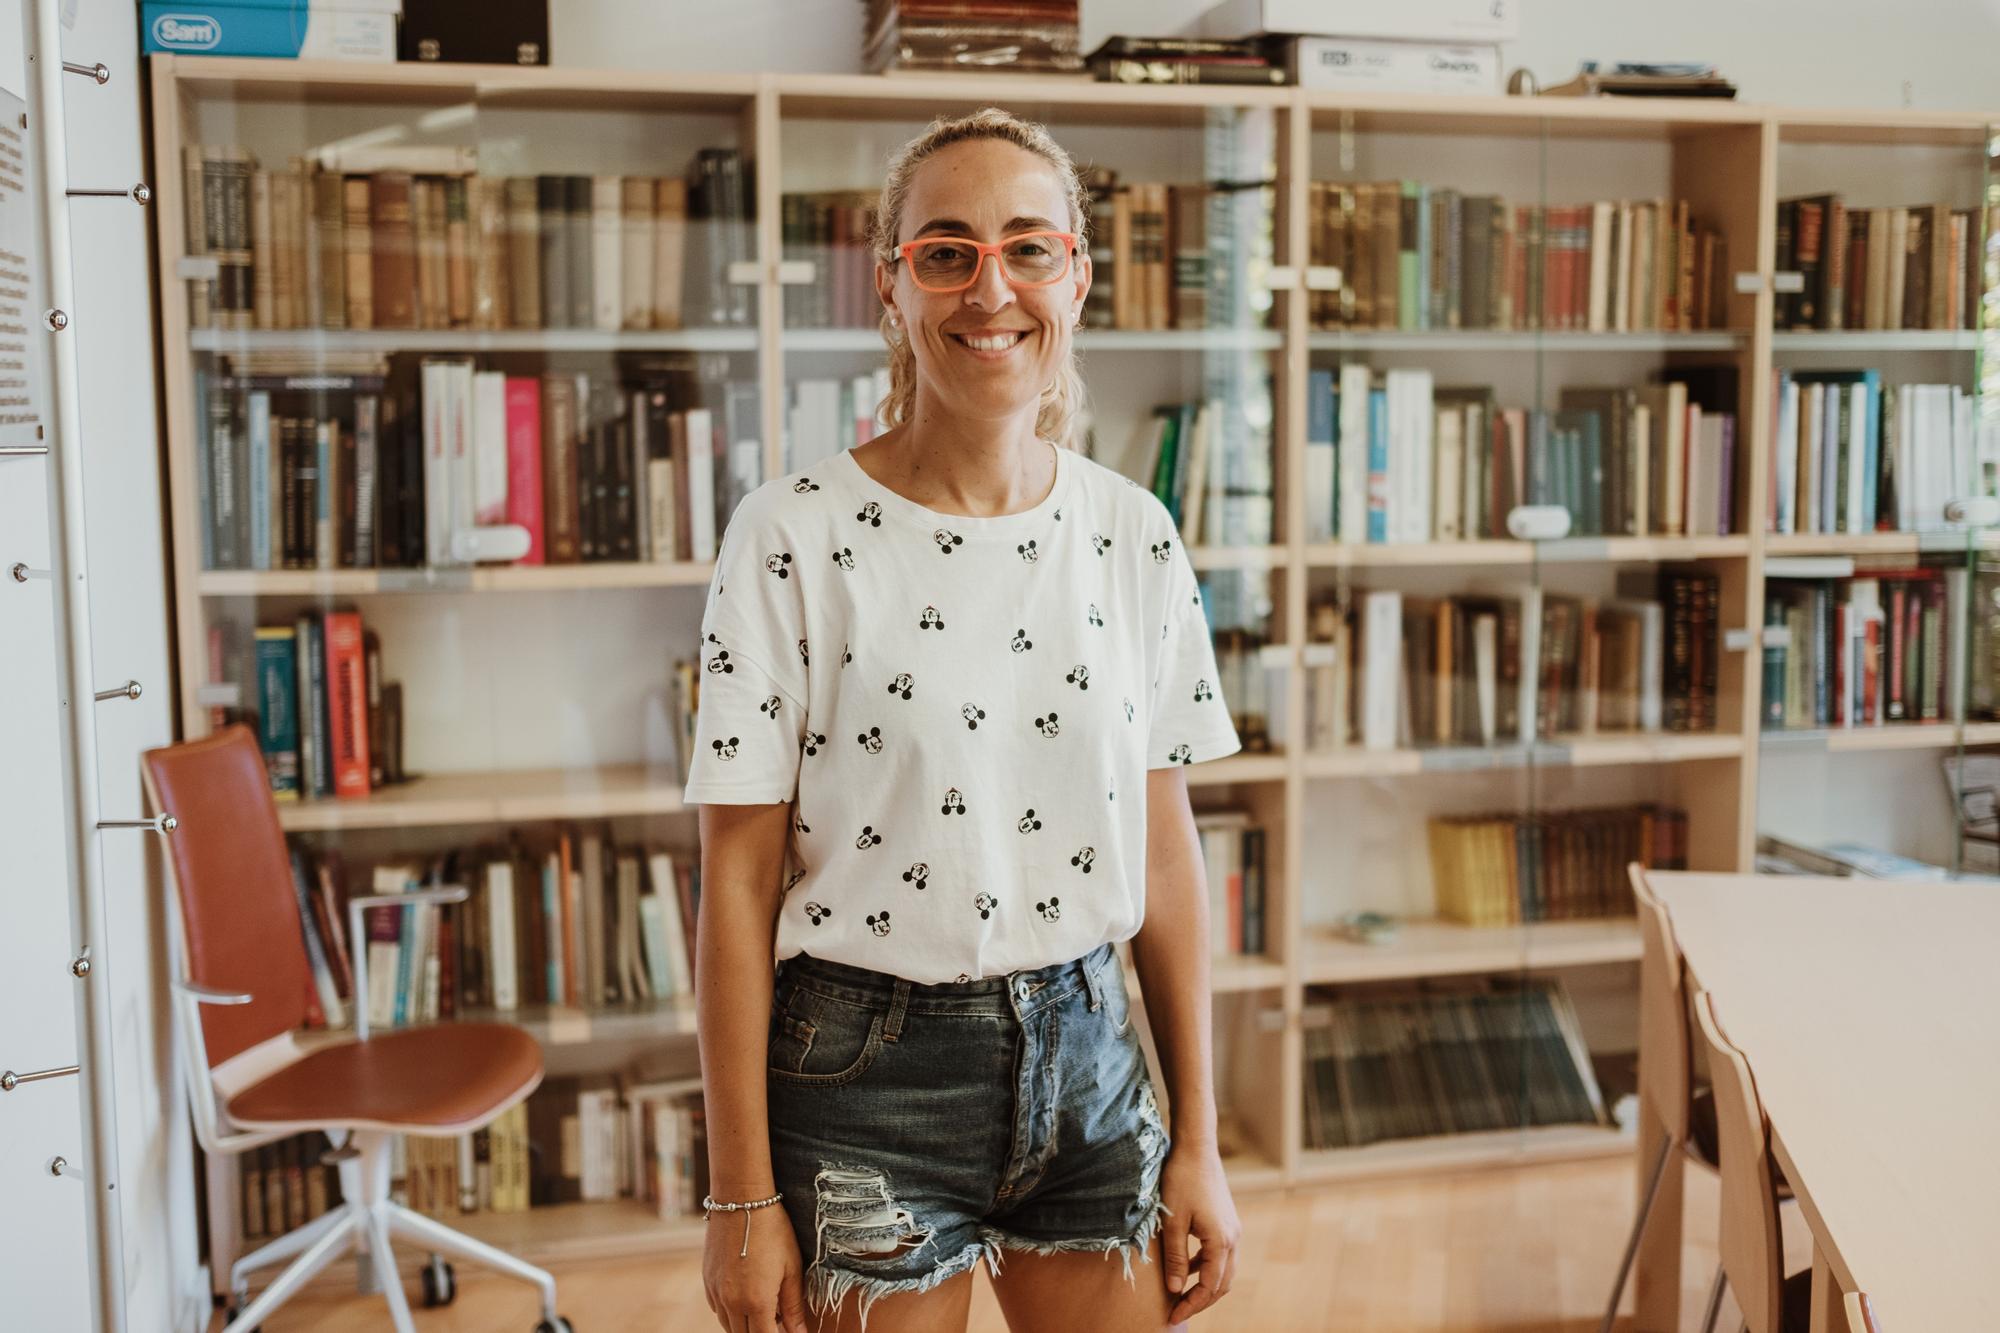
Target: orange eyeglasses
[{"x": 951, "y": 263}]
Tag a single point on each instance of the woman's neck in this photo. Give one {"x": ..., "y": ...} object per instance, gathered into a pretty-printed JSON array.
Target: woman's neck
[{"x": 976, "y": 468}]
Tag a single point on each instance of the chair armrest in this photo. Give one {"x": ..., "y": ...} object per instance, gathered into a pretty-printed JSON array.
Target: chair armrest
[
  {"x": 212, "y": 995},
  {"x": 357, "y": 937}
]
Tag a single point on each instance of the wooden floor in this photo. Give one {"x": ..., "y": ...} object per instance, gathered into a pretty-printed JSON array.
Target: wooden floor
[{"x": 1527, "y": 1250}]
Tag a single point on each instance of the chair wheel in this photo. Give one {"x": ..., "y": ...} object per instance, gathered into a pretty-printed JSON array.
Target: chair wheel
[
  {"x": 233, "y": 1309},
  {"x": 440, "y": 1283},
  {"x": 556, "y": 1325}
]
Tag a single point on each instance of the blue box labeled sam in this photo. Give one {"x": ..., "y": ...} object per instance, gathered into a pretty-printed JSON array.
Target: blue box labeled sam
[{"x": 284, "y": 29}]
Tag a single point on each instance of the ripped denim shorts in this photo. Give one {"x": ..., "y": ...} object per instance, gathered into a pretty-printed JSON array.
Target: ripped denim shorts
[{"x": 918, "y": 1128}]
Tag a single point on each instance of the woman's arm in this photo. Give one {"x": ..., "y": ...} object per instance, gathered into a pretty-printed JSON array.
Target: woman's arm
[
  {"x": 750, "y": 1262},
  {"x": 1171, "y": 950},
  {"x": 742, "y": 860}
]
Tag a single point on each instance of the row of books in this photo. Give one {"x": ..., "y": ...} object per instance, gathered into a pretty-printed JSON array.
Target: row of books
[
  {"x": 574, "y": 1140},
  {"x": 1419, "y": 257},
  {"x": 1392, "y": 458},
  {"x": 392, "y": 470},
  {"x": 1387, "y": 669},
  {"x": 326, "y": 721},
  {"x": 1232, "y": 853},
  {"x": 283, "y": 1185},
  {"x": 824, "y": 415},
  {"x": 832, "y": 231},
  {"x": 646, "y": 1141},
  {"x": 1510, "y": 868},
  {"x": 1163, "y": 256},
  {"x": 1402, "y": 1063},
  {"x": 1173, "y": 256},
  {"x": 1782, "y": 856},
  {"x": 1244, "y": 679},
  {"x": 573, "y": 919},
  {"x": 1874, "y": 645},
  {"x": 1911, "y": 267},
  {"x": 1852, "y": 454},
  {"x": 1210, "y": 463},
  {"x": 413, "y": 238}
]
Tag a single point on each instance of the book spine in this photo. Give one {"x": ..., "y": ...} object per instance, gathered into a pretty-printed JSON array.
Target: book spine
[
  {"x": 347, "y": 693},
  {"x": 277, "y": 708},
  {"x": 524, "y": 462}
]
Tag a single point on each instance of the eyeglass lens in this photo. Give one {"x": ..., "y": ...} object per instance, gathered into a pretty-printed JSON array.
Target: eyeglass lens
[{"x": 1027, "y": 259}]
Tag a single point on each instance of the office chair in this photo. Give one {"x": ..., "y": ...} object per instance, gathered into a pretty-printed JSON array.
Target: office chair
[
  {"x": 1667, "y": 1088},
  {"x": 253, "y": 1076}
]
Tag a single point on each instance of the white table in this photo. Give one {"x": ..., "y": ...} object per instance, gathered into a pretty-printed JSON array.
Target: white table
[{"x": 1869, "y": 1012}]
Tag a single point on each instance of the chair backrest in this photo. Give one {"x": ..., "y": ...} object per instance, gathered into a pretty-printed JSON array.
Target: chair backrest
[
  {"x": 237, "y": 910},
  {"x": 1665, "y": 1077},
  {"x": 1861, "y": 1314},
  {"x": 1752, "y": 1253}
]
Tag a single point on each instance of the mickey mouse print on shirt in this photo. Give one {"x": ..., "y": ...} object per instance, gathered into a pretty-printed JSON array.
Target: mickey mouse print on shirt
[{"x": 967, "y": 756}]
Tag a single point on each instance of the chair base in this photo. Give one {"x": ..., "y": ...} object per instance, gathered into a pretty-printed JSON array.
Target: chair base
[{"x": 365, "y": 1223}]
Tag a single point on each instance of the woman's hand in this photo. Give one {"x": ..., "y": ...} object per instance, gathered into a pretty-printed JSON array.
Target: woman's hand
[
  {"x": 763, "y": 1292},
  {"x": 1194, "y": 1188}
]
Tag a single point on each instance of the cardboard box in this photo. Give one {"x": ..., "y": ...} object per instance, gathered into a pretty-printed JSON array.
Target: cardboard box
[
  {"x": 1409, "y": 20},
  {"x": 283, "y": 29},
  {"x": 1366, "y": 64}
]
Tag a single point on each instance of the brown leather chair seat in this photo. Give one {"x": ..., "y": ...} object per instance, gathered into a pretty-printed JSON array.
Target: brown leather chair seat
[{"x": 449, "y": 1078}]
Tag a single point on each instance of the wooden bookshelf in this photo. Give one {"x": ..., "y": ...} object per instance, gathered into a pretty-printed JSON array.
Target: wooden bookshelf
[
  {"x": 496, "y": 798},
  {"x": 1879, "y": 543},
  {"x": 1888, "y": 736},
  {"x": 382, "y": 342},
  {"x": 1505, "y": 551},
  {"x": 1463, "y": 1152},
  {"x": 1852, "y": 341},
  {"x": 1436, "y": 948},
  {"x": 1557, "y": 752},
  {"x": 475, "y": 578},
  {"x": 1724, "y": 157},
  {"x": 1531, "y": 342}
]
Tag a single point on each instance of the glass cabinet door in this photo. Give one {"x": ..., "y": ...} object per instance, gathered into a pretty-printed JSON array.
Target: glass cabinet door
[
  {"x": 463, "y": 381},
  {"x": 1872, "y": 687},
  {"x": 1508, "y": 318},
  {"x": 1182, "y": 365},
  {"x": 1972, "y": 772}
]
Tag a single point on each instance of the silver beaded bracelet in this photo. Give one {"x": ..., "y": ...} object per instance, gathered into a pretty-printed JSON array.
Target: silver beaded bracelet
[{"x": 710, "y": 1207}]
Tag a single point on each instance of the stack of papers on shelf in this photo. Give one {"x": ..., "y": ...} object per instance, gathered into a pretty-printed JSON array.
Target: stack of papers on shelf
[{"x": 1641, "y": 79}]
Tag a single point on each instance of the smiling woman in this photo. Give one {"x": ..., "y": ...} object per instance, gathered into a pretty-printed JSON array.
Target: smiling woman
[
  {"x": 951, "y": 1072},
  {"x": 1005, "y": 160}
]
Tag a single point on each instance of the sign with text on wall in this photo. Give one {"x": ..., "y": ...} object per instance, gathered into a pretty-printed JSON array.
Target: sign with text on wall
[{"x": 20, "y": 322}]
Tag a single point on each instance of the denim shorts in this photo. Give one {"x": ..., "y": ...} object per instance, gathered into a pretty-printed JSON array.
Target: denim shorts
[{"x": 918, "y": 1128}]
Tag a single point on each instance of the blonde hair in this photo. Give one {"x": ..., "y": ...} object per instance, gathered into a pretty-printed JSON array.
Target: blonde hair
[{"x": 1062, "y": 399}]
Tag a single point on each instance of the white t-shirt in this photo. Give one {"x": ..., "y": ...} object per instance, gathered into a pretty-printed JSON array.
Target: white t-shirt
[{"x": 965, "y": 709}]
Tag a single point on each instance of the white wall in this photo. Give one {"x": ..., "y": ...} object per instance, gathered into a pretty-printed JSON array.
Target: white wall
[
  {"x": 113, "y": 324},
  {"x": 1926, "y": 53}
]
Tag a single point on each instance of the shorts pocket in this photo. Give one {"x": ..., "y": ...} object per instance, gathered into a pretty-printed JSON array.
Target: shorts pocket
[
  {"x": 1117, "y": 1000},
  {"x": 821, "y": 1042}
]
